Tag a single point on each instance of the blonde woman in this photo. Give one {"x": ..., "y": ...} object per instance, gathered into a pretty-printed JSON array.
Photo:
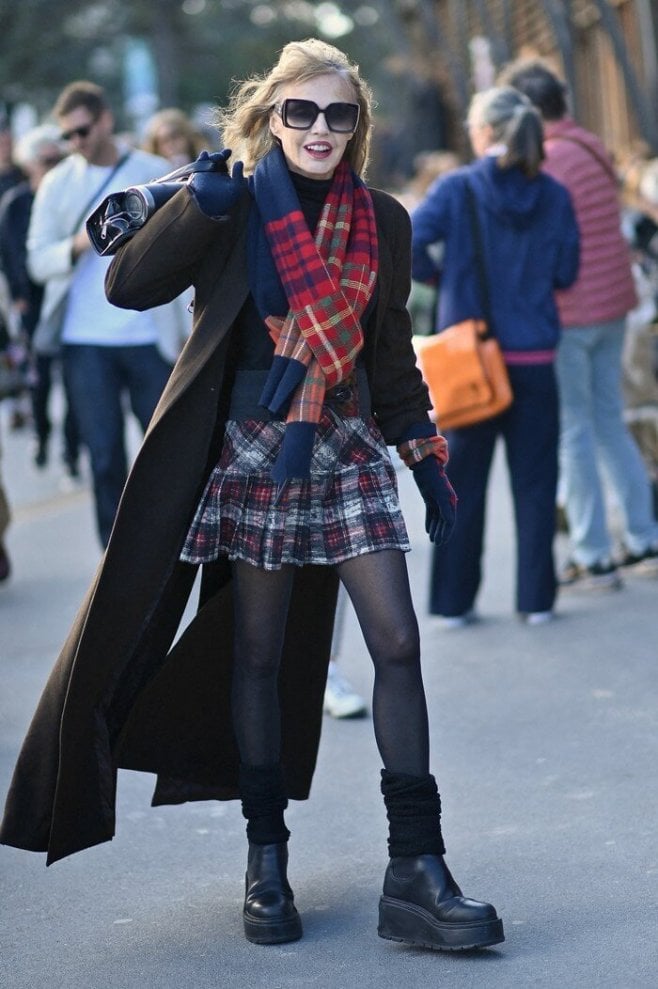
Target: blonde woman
[
  {"x": 171, "y": 134},
  {"x": 266, "y": 464}
]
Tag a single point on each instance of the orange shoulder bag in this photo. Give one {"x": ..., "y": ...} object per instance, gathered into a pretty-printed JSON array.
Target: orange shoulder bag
[{"x": 463, "y": 365}]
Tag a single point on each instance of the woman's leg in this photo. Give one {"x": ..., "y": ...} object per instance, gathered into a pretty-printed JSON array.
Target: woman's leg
[
  {"x": 531, "y": 432},
  {"x": 261, "y": 600},
  {"x": 378, "y": 586},
  {"x": 422, "y": 904},
  {"x": 456, "y": 571}
]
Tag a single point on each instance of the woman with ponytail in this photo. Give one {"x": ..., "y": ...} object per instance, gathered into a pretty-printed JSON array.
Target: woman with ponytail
[{"x": 528, "y": 246}]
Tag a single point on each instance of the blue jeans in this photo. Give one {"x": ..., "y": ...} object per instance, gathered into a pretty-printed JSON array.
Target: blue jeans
[
  {"x": 40, "y": 398},
  {"x": 529, "y": 430},
  {"x": 594, "y": 438},
  {"x": 97, "y": 379}
]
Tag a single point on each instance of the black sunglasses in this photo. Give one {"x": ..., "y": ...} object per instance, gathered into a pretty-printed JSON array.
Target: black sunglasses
[
  {"x": 341, "y": 118},
  {"x": 81, "y": 132}
]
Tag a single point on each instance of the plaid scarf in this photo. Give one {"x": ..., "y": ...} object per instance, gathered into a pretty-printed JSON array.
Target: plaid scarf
[{"x": 311, "y": 294}]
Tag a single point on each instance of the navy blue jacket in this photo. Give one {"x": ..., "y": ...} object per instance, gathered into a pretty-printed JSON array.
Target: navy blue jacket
[
  {"x": 531, "y": 246},
  {"x": 15, "y": 208}
]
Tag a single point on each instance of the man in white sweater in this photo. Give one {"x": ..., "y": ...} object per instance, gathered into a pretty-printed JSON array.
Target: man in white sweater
[{"x": 107, "y": 353}]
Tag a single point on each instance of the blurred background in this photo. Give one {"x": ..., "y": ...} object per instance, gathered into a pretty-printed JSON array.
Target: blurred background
[{"x": 424, "y": 59}]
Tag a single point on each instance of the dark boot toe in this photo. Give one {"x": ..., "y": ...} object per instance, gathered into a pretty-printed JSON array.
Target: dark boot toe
[
  {"x": 423, "y": 905},
  {"x": 461, "y": 909},
  {"x": 269, "y": 914}
]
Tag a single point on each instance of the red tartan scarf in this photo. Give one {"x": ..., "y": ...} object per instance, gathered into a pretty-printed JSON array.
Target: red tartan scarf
[{"x": 327, "y": 281}]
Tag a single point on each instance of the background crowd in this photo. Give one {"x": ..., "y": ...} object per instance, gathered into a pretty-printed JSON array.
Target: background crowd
[
  {"x": 553, "y": 725},
  {"x": 606, "y": 363}
]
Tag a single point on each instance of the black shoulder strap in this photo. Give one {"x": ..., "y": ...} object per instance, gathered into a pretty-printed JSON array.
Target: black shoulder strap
[
  {"x": 605, "y": 163},
  {"x": 479, "y": 255},
  {"x": 102, "y": 187}
]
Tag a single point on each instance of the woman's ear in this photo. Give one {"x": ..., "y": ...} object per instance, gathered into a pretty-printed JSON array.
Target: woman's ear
[
  {"x": 481, "y": 137},
  {"x": 488, "y": 133},
  {"x": 275, "y": 123}
]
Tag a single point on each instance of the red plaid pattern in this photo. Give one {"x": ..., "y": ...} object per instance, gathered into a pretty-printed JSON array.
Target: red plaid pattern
[
  {"x": 413, "y": 451},
  {"x": 328, "y": 282},
  {"x": 348, "y": 507}
]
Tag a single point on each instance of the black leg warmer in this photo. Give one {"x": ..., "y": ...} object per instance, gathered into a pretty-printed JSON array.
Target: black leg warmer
[
  {"x": 413, "y": 808},
  {"x": 263, "y": 795}
]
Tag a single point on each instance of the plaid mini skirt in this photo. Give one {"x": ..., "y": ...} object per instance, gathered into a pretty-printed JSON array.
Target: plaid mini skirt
[{"x": 348, "y": 507}]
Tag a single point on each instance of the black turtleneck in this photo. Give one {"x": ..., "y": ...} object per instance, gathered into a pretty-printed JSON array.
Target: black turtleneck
[{"x": 312, "y": 194}]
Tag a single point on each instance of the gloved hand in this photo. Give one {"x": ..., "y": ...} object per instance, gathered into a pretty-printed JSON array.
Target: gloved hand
[
  {"x": 439, "y": 497},
  {"x": 217, "y": 192}
]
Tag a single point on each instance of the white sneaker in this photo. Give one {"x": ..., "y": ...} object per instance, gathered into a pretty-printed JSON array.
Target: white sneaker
[
  {"x": 340, "y": 698},
  {"x": 539, "y": 617},
  {"x": 450, "y": 622}
]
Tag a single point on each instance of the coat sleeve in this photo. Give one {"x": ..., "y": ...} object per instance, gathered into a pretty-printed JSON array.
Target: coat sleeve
[
  {"x": 161, "y": 260},
  {"x": 399, "y": 394},
  {"x": 430, "y": 228},
  {"x": 12, "y": 248},
  {"x": 48, "y": 244}
]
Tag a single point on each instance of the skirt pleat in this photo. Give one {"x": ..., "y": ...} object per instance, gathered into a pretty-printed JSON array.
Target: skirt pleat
[{"x": 348, "y": 506}]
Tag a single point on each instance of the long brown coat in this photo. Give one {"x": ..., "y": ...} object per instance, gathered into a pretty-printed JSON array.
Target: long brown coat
[{"x": 120, "y": 694}]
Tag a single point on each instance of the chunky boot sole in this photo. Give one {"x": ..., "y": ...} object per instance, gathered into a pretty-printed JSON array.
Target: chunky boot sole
[
  {"x": 272, "y": 931},
  {"x": 407, "y": 922}
]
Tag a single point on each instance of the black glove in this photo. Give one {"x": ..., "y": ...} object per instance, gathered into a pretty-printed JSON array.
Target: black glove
[
  {"x": 439, "y": 497},
  {"x": 217, "y": 192}
]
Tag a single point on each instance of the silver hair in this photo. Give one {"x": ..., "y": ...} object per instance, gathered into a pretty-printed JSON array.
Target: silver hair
[
  {"x": 514, "y": 122},
  {"x": 29, "y": 147},
  {"x": 496, "y": 107}
]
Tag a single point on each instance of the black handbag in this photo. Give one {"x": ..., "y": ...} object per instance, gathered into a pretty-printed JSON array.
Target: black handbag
[{"x": 122, "y": 214}]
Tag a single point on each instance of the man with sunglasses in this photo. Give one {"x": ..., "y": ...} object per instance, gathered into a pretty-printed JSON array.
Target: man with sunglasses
[{"x": 107, "y": 353}]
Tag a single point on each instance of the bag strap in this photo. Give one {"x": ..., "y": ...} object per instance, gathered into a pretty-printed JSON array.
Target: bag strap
[
  {"x": 476, "y": 231},
  {"x": 605, "y": 164},
  {"x": 185, "y": 171},
  {"x": 102, "y": 187}
]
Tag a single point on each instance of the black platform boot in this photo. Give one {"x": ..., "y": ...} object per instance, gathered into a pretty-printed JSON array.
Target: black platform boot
[
  {"x": 269, "y": 913},
  {"x": 421, "y": 903},
  {"x": 270, "y": 916}
]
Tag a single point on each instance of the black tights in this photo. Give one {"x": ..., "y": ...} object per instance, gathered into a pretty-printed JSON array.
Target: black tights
[{"x": 378, "y": 586}]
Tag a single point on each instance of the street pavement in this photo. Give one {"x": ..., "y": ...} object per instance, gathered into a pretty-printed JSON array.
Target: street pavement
[{"x": 544, "y": 743}]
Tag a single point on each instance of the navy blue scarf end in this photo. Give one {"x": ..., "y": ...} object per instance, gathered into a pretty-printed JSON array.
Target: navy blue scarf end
[{"x": 282, "y": 380}]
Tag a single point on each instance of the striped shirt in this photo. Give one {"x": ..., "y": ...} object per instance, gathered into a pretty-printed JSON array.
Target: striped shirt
[{"x": 604, "y": 289}]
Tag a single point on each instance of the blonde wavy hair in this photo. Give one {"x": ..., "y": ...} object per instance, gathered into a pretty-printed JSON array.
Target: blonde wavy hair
[
  {"x": 174, "y": 121},
  {"x": 244, "y": 123}
]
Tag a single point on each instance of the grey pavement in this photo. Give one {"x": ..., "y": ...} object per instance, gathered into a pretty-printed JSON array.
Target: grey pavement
[{"x": 544, "y": 742}]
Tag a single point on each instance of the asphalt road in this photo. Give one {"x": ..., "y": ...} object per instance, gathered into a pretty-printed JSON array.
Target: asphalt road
[{"x": 544, "y": 742}]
